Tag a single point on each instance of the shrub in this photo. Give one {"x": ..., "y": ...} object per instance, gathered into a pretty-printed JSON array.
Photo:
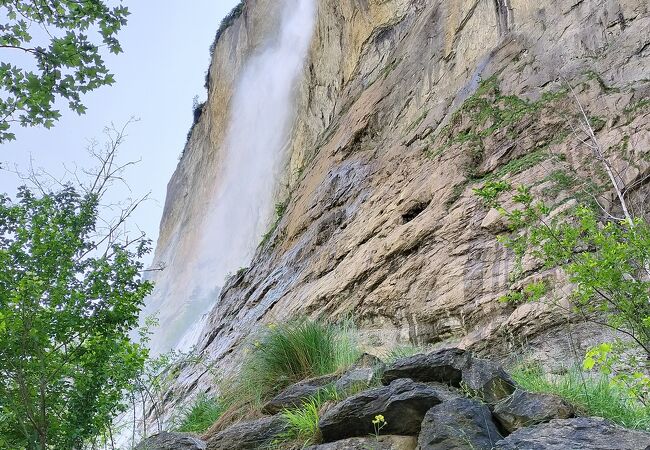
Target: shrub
[
  {"x": 201, "y": 415},
  {"x": 592, "y": 395}
]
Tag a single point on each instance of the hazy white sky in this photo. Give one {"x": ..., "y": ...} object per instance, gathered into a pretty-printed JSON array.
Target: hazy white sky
[{"x": 162, "y": 68}]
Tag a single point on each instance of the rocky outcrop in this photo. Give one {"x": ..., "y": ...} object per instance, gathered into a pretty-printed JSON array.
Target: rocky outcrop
[
  {"x": 581, "y": 432},
  {"x": 443, "y": 366},
  {"x": 248, "y": 435},
  {"x": 407, "y": 414},
  {"x": 457, "y": 424},
  {"x": 171, "y": 441},
  {"x": 296, "y": 394},
  {"x": 402, "y": 404},
  {"x": 454, "y": 367},
  {"x": 523, "y": 409}
]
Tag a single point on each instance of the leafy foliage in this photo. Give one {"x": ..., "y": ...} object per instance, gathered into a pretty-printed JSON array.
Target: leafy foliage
[
  {"x": 66, "y": 310},
  {"x": 65, "y": 65},
  {"x": 607, "y": 261}
]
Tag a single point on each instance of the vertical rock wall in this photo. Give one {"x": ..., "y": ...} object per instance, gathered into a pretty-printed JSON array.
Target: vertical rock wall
[{"x": 405, "y": 106}]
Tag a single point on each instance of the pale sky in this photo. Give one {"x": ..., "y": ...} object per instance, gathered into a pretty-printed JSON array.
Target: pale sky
[{"x": 162, "y": 68}]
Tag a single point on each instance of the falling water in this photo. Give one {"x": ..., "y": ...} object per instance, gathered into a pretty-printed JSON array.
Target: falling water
[{"x": 241, "y": 204}]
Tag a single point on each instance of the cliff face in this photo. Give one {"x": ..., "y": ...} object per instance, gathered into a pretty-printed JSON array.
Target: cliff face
[{"x": 403, "y": 108}]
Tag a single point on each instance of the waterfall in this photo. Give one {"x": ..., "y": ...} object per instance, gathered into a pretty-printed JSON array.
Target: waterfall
[{"x": 241, "y": 204}]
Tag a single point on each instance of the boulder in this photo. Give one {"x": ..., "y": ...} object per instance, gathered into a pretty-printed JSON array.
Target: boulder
[
  {"x": 443, "y": 366},
  {"x": 248, "y": 435},
  {"x": 454, "y": 367},
  {"x": 523, "y": 409},
  {"x": 296, "y": 394},
  {"x": 381, "y": 443},
  {"x": 458, "y": 424},
  {"x": 591, "y": 433},
  {"x": 403, "y": 404},
  {"x": 355, "y": 380},
  {"x": 171, "y": 441},
  {"x": 487, "y": 379},
  {"x": 366, "y": 361}
]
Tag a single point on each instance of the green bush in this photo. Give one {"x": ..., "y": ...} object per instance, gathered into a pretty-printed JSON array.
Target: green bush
[
  {"x": 201, "y": 415},
  {"x": 592, "y": 396}
]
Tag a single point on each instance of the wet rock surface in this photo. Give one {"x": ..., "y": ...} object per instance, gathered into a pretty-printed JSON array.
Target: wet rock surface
[
  {"x": 171, "y": 441},
  {"x": 523, "y": 409},
  {"x": 578, "y": 433},
  {"x": 403, "y": 404},
  {"x": 458, "y": 424}
]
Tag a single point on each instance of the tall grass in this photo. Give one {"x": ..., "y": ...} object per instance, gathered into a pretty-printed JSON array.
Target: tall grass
[
  {"x": 201, "y": 415},
  {"x": 592, "y": 395},
  {"x": 288, "y": 353},
  {"x": 282, "y": 355}
]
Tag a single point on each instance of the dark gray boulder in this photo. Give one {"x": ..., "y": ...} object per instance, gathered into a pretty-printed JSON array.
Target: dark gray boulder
[
  {"x": 442, "y": 366},
  {"x": 458, "y": 424},
  {"x": 370, "y": 443},
  {"x": 248, "y": 435},
  {"x": 487, "y": 380},
  {"x": 355, "y": 380},
  {"x": 171, "y": 441},
  {"x": 454, "y": 367},
  {"x": 403, "y": 404},
  {"x": 523, "y": 409},
  {"x": 591, "y": 433},
  {"x": 296, "y": 394}
]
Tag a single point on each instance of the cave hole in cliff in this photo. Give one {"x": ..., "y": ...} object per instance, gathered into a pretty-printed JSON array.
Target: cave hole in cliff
[{"x": 414, "y": 211}]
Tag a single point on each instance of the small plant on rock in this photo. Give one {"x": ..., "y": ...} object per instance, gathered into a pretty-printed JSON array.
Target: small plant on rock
[{"x": 378, "y": 424}]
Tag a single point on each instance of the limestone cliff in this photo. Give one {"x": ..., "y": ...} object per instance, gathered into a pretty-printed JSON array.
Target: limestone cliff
[{"x": 403, "y": 108}]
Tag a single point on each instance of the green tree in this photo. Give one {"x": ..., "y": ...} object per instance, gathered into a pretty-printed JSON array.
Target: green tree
[
  {"x": 61, "y": 40},
  {"x": 70, "y": 295}
]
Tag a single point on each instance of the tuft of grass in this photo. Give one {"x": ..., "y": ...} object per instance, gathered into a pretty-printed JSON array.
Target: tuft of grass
[
  {"x": 288, "y": 353},
  {"x": 303, "y": 421},
  {"x": 201, "y": 415},
  {"x": 591, "y": 395}
]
